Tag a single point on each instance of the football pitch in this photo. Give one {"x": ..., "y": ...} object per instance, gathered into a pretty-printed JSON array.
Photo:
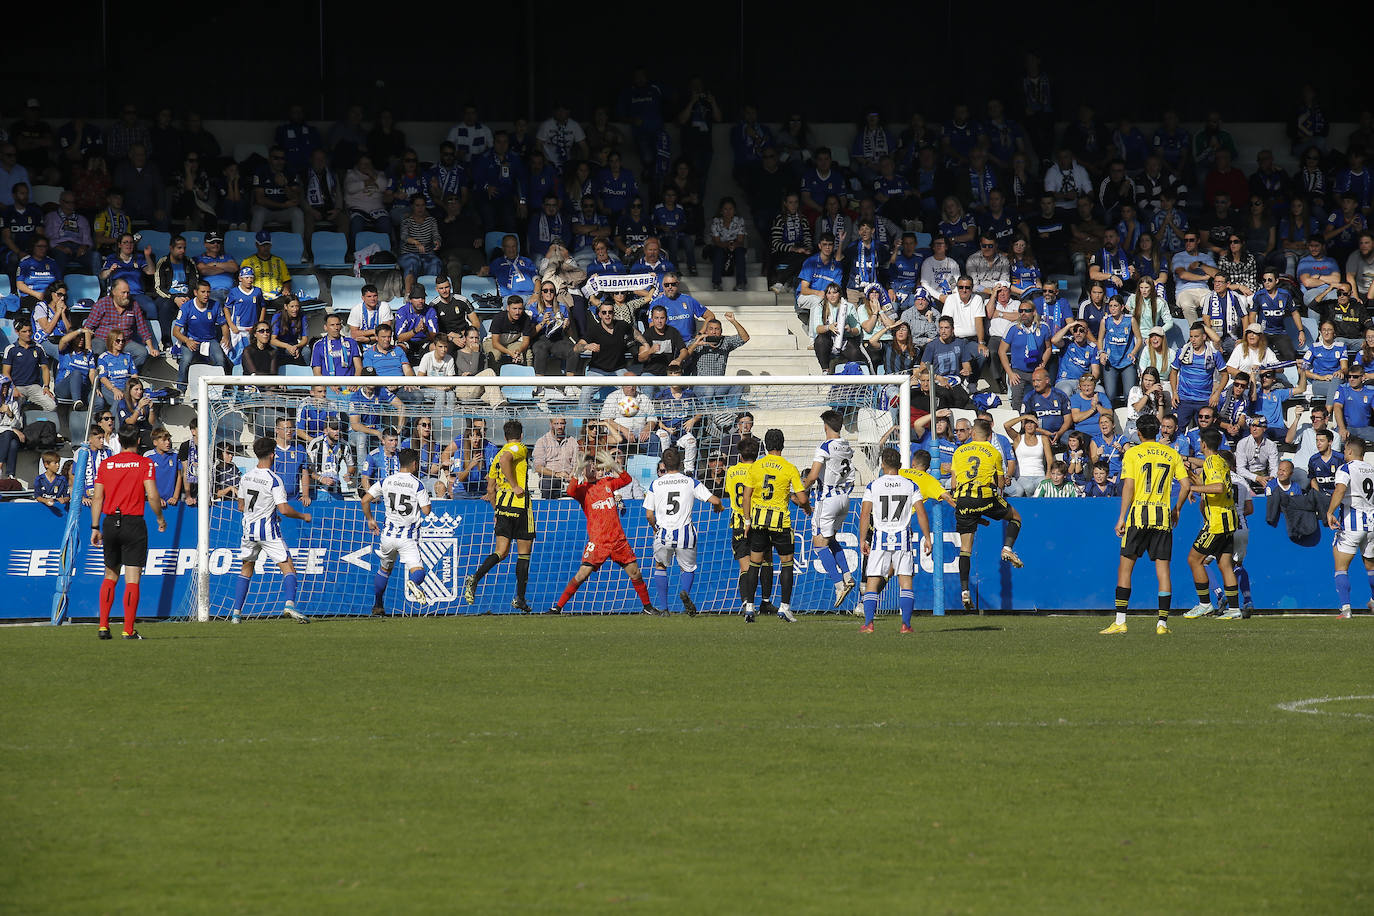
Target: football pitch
[{"x": 981, "y": 765}]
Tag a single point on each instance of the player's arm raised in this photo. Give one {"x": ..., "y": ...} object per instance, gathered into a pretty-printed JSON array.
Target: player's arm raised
[{"x": 155, "y": 501}]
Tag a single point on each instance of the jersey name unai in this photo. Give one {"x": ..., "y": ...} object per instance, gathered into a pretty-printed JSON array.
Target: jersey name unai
[
  {"x": 1357, "y": 506},
  {"x": 261, "y": 491},
  {"x": 892, "y": 498},
  {"x": 671, "y": 498},
  {"x": 405, "y": 498},
  {"x": 837, "y": 478}
]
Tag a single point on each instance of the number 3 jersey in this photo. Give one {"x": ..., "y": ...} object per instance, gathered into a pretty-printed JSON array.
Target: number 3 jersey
[
  {"x": 1357, "y": 506},
  {"x": 261, "y": 491},
  {"x": 892, "y": 497},
  {"x": 405, "y": 498},
  {"x": 837, "y": 478},
  {"x": 1153, "y": 467},
  {"x": 671, "y": 498}
]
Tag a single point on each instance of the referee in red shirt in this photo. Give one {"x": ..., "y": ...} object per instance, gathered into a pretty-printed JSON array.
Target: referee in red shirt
[{"x": 121, "y": 485}]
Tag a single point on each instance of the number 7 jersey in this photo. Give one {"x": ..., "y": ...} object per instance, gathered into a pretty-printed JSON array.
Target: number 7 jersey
[{"x": 1153, "y": 466}]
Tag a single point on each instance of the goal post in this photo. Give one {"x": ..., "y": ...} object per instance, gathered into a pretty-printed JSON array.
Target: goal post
[{"x": 335, "y": 554}]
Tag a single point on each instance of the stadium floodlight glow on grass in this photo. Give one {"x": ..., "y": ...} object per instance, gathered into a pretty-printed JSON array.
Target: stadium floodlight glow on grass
[{"x": 335, "y": 553}]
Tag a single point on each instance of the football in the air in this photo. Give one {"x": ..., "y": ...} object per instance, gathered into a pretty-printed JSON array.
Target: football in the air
[{"x": 628, "y": 405}]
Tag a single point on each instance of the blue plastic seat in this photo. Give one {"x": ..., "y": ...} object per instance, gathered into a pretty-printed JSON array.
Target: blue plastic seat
[
  {"x": 161, "y": 242},
  {"x": 81, "y": 286},
  {"x": 380, "y": 239},
  {"x": 473, "y": 285},
  {"x": 239, "y": 245},
  {"x": 330, "y": 249},
  {"x": 289, "y": 246},
  {"x": 518, "y": 395},
  {"x": 294, "y": 369},
  {"x": 345, "y": 292},
  {"x": 195, "y": 242},
  {"x": 492, "y": 243},
  {"x": 306, "y": 287}
]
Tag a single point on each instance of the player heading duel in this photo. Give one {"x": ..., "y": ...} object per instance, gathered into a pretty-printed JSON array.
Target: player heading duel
[
  {"x": 514, "y": 522},
  {"x": 773, "y": 481},
  {"x": 406, "y": 501},
  {"x": 832, "y": 476},
  {"x": 979, "y": 476}
]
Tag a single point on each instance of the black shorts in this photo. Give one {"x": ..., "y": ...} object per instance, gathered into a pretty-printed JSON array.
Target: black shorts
[
  {"x": 1157, "y": 542},
  {"x": 518, "y": 525},
  {"x": 125, "y": 540},
  {"x": 764, "y": 540},
  {"x": 739, "y": 544},
  {"x": 1214, "y": 544},
  {"x": 968, "y": 510}
]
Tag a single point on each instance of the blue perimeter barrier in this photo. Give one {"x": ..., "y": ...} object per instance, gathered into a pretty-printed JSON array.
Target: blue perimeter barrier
[{"x": 1068, "y": 545}]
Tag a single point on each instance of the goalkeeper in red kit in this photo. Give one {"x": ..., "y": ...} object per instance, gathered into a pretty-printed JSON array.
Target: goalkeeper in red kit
[
  {"x": 123, "y": 482},
  {"x": 595, "y": 493}
]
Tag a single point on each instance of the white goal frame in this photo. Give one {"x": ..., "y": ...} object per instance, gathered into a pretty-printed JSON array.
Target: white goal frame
[{"x": 205, "y": 454}]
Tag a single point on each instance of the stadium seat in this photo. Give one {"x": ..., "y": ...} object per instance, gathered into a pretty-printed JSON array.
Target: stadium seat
[
  {"x": 33, "y": 415},
  {"x": 239, "y": 245},
  {"x": 380, "y": 239},
  {"x": 195, "y": 242},
  {"x": 245, "y": 151},
  {"x": 306, "y": 286},
  {"x": 427, "y": 281},
  {"x": 290, "y": 247},
  {"x": 42, "y": 194},
  {"x": 294, "y": 369},
  {"x": 330, "y": 249},
  {"x": 642, "y": 468},
  {"x": 492, "y": 243},
  {"x": 345, "y": 292},
  {"x": 473, "y": 285},
  {"x": 161, "y": 242},
  {"x": 82, "y": 286},
  {"x": 198, "y": 370},
  {"x": 518, "y": 395},
  {"x": 76, "y": 424},
  {"x": 5, "y": 285},
  {"x": 923, "y": 239}
]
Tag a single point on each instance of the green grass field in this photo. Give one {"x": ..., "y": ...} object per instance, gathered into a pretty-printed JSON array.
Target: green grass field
[{"x": 983, "y": 765}]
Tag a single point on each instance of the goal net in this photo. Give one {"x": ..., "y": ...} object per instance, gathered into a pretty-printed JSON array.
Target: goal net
[{"x": 346, "y": 438}]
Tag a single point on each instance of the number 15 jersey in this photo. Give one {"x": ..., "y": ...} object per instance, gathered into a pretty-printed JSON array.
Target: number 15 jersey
[
  {"x": 1153, "y": 467},
  {"x": 404, "y": 497}
]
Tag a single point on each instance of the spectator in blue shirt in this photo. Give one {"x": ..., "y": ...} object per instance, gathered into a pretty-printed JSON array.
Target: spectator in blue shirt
[
  {"x": 547, "y": 226},
  {"x": 1323, "y": 364},
  {"x": 290, "y": 462},
  {"x": 669, "y": 220},
  {"x": 35, "y": 274},
  {"x": 499, "y": 185},
  {"x": 201, "y": 330},
  {"x": 1086, "y": 405},
  {"x": 684, "y": 311},
  {"x": 51, "y": 488},
  {"x": 389, "y": 361},
  {"x": 1197, "y": 375},
  {"x": 1024, "y": 349},
  {"x": 615, "y": 188},
  {"x": 1077, "y": 358},
  {"x": 515, "y": 275},
  {"x": 1318, "y": 273},
  {"x": 366, "y": 408},
  {"x": 817, "y": 272},
  {"x": 1352, "y": 407},
  {"x": 748, "y": 139},
  {"x": 297, "y": 139},
  {"x": 1049, "y": 405},
  {"x": 166, "y": 466},
  {"x": 821, "y": 181},
  {"x": 1273, "y": 307}
]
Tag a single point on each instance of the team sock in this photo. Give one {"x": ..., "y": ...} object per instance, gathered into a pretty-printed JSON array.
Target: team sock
[
  {"x": 641, "y": 590},
  {"x": 785, "y": 579},
  {"x": 1232, "y": 599},
  {"x": 1013, "y": 530},
  {"x": 568, "y": 592},
  {"x": 487, "y": 565},
  {"x": 765, "y": 582},
  {"x": 130, "y": 606},
  {"x": 832, "y": 569},
  {"x": 837, "y": 551},
  {"x": 379, "y": 582},
  {"x": 661, "y": 586},
  {"x": 750, "y": 581},
  {"x": 870, "y": 607},
  {"x": 107, "y": 593},
  {"x": 1204, "y": 593},
  {"x": 522, "y": 574},
  {"x": 1243, "y": 581},
  {"x": 241, "y": 591},
  {"x": 906, "y": 603},
  {"x": 288, "y": 588},
  {"x": 965, "y": 561},
  {"x": 1165, "y": 599},
  {"x": 1123, "y": 600},
  {"x": 1343, "y": 589},
  {"x": 417, "y": 575},
  {"x": 685, "y": 580}
]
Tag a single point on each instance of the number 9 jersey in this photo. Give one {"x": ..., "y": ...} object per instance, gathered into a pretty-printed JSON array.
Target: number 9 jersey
[{"x": 1356, "y": 512}]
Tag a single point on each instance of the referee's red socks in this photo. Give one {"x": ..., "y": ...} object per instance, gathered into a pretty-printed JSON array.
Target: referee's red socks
[
  {"x": 107, "y": 590},
  {"x": 130, "y": 605}
]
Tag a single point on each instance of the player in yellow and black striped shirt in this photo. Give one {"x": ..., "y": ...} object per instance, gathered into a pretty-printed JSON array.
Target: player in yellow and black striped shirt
[
  {"x": 1216, "y": 539},
  {"x": 979, "y": 475},
  {"x": 772, "y": 483},
  {"x": 1149, "y": 512},
  {"x": 506, "y": 491},
  {"x": 735, "y": 478}
]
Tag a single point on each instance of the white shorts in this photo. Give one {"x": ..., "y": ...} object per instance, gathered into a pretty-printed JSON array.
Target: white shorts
[
  {"x": 889, "y": 563},
  {"x": 686, "y": 557},
  {"x": 1353, "y": 542},
  {"x": 830, "y": 515},
  {"x": 407, "y": 549},
  {"x": 1240, "y": 539},
  {"x": 274, "y": 549}
]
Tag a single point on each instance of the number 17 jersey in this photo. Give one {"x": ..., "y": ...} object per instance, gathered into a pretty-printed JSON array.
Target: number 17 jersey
[{"x": 1153, "y": 466}]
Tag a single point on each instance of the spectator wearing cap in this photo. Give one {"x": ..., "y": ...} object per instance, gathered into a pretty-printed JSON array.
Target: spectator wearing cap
[
  {"x": 203, "y": 333},
  {"x": 243, "y": 309},
  {"x": 269, "y": 271},
  {"x": 1353, "y": 406},
  {"x": 277, "y": 195},
  {"x": 923, "y": 320},
  {"x": 1257, "y": 456},
  {"x": 332, "y": 460},
  {"x": 217, "y": 267},
  {"x": 1233, "y": 407}
]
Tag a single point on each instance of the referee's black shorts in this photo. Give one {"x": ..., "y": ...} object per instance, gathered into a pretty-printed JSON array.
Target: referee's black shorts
[{"x": 125, "y": 540}]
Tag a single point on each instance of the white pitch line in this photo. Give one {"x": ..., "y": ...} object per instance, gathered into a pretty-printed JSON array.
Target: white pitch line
[{"x": 1311, "y": 706}]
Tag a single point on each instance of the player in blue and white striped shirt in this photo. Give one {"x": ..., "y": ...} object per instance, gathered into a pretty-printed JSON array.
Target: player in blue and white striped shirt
[
  {"x": 885, "y": 537},
  {"x": 1351, "y": 513},
  {"x": 406, "y": 502},
  {"x": 262, "y": 500},
  {"x": 668, "y": 505},
  {"x": 832, "y": 476}
]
